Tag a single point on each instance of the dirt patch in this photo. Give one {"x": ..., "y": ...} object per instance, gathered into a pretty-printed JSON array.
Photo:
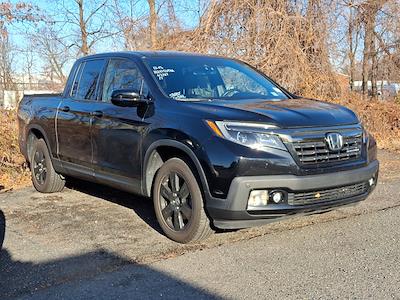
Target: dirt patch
[{"x": 389, "y": 165}]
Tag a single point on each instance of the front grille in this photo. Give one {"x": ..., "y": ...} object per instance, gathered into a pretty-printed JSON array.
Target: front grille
[
  {"x": 316, "y": 151},
  {"x": 327, "y": 195}
]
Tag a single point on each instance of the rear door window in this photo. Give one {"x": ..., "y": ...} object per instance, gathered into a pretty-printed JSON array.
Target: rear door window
[{"x": 85, "y": 84}]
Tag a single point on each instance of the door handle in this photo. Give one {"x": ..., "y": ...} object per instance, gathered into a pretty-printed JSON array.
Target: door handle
[
  {"x": 97, "y": 113},
  {"x": 65, "y": 108}
]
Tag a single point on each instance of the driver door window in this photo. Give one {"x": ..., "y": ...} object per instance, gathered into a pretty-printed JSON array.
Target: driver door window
[{"x": 122, "y": 74}]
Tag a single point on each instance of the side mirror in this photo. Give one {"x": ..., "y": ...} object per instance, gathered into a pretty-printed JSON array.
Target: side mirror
[{"x": 126, "y": 98}]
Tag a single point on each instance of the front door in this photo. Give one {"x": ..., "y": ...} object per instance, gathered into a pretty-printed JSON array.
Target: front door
[
  {"x": 117, "y": 131},
  {"x": 74, "y": 118}
]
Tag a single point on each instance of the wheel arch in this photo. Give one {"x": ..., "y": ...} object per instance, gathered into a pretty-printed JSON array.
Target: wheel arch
[
  {"x": 162, "y": 150},
  {"x": 35, "y": 131}
]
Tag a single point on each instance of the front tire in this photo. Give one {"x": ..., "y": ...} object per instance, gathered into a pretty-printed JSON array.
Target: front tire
[
  {"x": 44, "y": 178},
  {"x": 178, "y": 203}
]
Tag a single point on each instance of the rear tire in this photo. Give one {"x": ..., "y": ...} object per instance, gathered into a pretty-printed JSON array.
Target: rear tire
[
  {"x": 44, "y": 178},
  {"x": 178, "y": 203}
]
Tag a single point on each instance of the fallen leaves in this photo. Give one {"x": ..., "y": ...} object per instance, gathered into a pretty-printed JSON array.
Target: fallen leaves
[{"x": 13, "y": 168}]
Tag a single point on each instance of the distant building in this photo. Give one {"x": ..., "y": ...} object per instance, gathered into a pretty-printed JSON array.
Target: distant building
[{"x": 385, "y": 88}]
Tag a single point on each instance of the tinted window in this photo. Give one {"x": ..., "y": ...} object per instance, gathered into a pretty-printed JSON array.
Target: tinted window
[
  {"x": 86, "y": 80},
  {"x": 122, "y": 74},
  {"x": 77, "y": 76},
  {"x": 211, "y": 78}
]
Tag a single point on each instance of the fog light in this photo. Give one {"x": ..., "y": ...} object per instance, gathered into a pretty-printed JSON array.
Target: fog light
[
  {"x": 277, "y": 197},
  {"x": 371, "y": 182},
  {"x": 258, "y": 198}
]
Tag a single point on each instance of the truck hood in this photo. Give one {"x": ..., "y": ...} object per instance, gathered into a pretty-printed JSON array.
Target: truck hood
[{"x": 299, "y": 112}]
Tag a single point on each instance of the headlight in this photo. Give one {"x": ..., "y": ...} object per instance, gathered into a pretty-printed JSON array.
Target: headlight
[{"x": 253, "y": 135}]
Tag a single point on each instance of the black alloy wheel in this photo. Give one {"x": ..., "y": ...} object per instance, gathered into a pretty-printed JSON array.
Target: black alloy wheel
[
  {"x": 44, "y": 178},
  {"x": 178, "y": 203},
  {"x": 39, "y": 167}
]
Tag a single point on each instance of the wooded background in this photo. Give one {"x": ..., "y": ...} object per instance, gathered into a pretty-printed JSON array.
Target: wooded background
[{"x": 315, "y": 48}]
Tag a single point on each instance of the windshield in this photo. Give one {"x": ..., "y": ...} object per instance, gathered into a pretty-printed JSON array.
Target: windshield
[{"x": 193, "y": 77}]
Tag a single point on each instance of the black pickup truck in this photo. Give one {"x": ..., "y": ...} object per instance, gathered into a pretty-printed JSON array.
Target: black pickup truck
[{"x": 214, "y": 142}]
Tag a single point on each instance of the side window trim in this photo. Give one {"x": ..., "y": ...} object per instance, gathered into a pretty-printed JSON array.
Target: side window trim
[
  {"x": 99, "y": 80},
  {"x": 75, "y": 81},
  {"x": 142, "y": 84},
  {"x": 81, "y": 69},
  {"x": 71, "y": 78},
  {"x": 100, "y": 83}
]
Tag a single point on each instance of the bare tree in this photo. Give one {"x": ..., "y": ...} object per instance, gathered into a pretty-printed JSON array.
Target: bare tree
[
  {"x": 370, "y": 9},
  {"x": 297, "y": 42},
  {"x": 353, "y": 24},
  {"x": 130, "y": 22},
  {"x": 9, "y": 13},
  {"x": 387, "y": 37},
  {"x": 29, "y": 63},
  {"x": 49, "y": 45},
  {"x": 82, "y": 27},
  {"x": 286, "y": 39},
  {"x": 6, "y": 63},
  {"x": 91, "y": 21}
]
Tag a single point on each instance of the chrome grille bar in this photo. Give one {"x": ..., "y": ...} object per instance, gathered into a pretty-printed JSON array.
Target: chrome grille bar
[{"x": 310, "y": 148}]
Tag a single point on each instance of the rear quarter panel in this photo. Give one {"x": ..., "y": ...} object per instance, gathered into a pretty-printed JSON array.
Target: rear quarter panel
[{"x": 37, "y": 113}]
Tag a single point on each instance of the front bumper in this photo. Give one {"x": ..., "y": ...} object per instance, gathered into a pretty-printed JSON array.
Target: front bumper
[{"x": 231, "y": 213}]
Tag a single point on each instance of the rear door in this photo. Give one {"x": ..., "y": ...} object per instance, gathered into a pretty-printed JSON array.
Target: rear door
[
  {"x": 117, "y": 131},
  {"x": 74, "y": 119}
]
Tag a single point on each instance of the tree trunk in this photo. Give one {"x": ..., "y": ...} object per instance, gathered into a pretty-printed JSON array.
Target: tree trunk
[
  {"x": 366, "y": 56},
  {"x": 153, "y": 23},
  {"x": 374, "y": 69},
  {"x": 82, "y": 26},
  {"x": 371, "y": 9},
  {"x": 350, "y": 39},
  {"x": 6, "y": 78}
]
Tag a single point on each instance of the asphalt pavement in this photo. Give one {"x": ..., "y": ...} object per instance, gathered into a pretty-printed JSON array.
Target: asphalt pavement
[
  {"x": 353, "y": 258},
  {"x": 90, "y": 241}
]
